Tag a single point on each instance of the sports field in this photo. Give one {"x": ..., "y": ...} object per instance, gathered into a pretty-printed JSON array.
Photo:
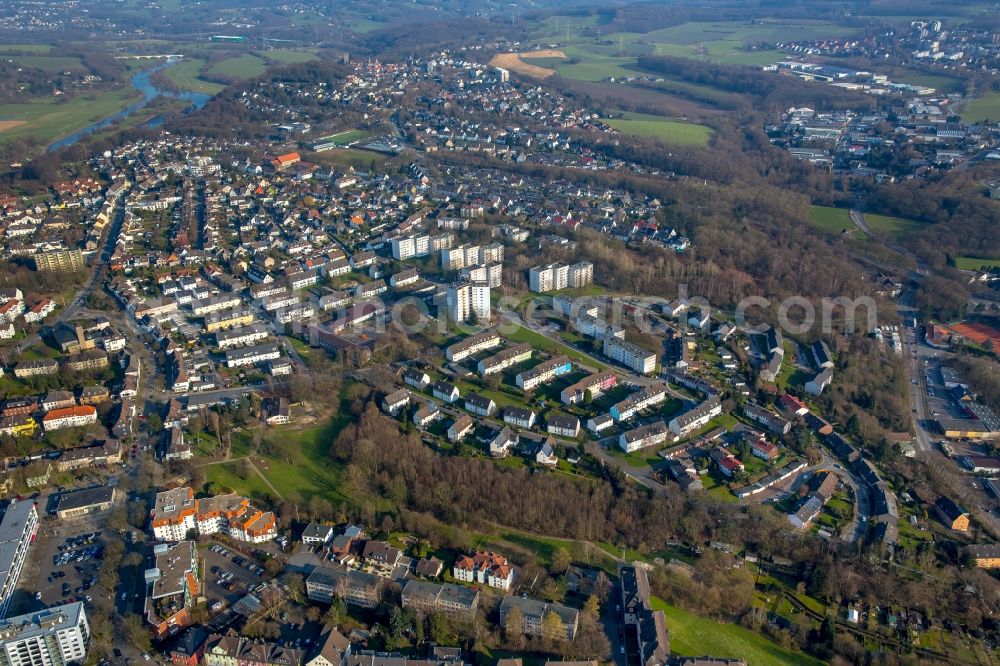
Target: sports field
[
  {"x": 693, "y": 636},
  {"x": 979, "y": 333},
  {"x": 664, "y": 129}
]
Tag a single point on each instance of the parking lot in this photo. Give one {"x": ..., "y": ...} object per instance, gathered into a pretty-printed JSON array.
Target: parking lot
[
  {"x": 229, "y": 575},
  {"x": 62, "y": 566}
]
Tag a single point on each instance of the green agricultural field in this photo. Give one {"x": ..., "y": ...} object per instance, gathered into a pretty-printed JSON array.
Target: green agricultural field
[
  {"x": 50, "y": 63},
  {"x": 975, "y": 263},
  {"x": 25, "y": 48},
  {"x": 982, "y": 108},
  {"x": 186, "y": 75},
  {"x": 692, "y": 636},
  {"x": 664, "y": 129},
  {"x": 892, "y": 226},
  {"x": 287, "y": 56},
  {"x": 241, "y": 67},
  {"x": 593, "y": 66},
  {"x": 834, "y": 220},
  {"x": 50, "y": 119}
]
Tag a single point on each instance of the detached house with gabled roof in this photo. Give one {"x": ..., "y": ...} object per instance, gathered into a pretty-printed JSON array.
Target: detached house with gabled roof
[
  {"x": 460, "y": 428},
  {"x": 485, "y": 567},
  {"x": 480, "y": 404},
  {"x": 444, "y": 391}
]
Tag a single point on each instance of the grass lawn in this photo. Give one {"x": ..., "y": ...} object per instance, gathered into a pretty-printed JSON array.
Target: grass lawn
[
  {"x": 187, "y": 76},
  {"x": 310, "y": 472},
  {"x": 243, "y": 67},
  {"x": 982, "y": 108},
  {"x": 664, "y": 129},
  {"x": 50, "y": 119},
  {"x": 834, "y": 220},
  {"x": 975, "y": 263},
  {"x": 893, "y": 226},
  {"x": 540, "y": 342},
  {"x": 692, "y": 636}
]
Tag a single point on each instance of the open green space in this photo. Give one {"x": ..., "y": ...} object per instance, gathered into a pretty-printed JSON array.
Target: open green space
[
  {"x": 939, "y": 82},
  {"x": 303, "y": 466},
  {"x": 976, "y": 263},
  {"x": 584, "y": 64},
  {"x": 692, "y": 636},
  {"x": 835, "y": 220},
  {"x": 242, "y": 67},
  {"x": 663, "y": 129},
  {"x": 982, "y": 109},
  {"x": 187, "y": 76},
  {"x": 48, "y": 63},
  {"x": 25, "y": 48},
  {"x": 49, "y": 119},
  {"x": 542, "y": 343},
  {"x": 287, "y": 56},
  {"x": 892, "y": 226}
]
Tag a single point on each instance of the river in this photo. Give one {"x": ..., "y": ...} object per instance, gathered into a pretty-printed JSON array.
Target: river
[{"x": 140, "y": 81}]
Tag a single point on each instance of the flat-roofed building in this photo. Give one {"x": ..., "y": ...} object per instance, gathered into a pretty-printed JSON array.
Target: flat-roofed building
[
  {"x": 17, "y": 531},
  {"x": 50, "y": 637}
]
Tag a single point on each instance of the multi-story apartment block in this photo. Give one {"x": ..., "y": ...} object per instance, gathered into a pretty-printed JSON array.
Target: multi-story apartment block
[
  {"x": 176, "y": 512},
  {"x": 236, "y": 358},
  {"x": 631, "y": 356},
  {"x": 686, "y": 423},
  {"x": 550, "y": 277},
  {"x": 17, "y": 530},
  {"x": 472, "y": 345},
  {"x": 534, "y": 611},
  {"x": 69, "y": 417},
  {"x": 487, "y": 568},
  {"x": 238, "y": 337},
  {"x": 580, "y": 274},
  {"x": 543, "y": 373},
  {"x": 491, "y": 274},
  {"x": 644, "y": 436},
  {"x": 592, "y": 386},
  {"x": 353, "y": 587},
  {"x": 55, "y": 636},
  {"x": 465, "y": 299},
  {"x": 457, "y": 258},
  {"x": 502, "y": 360},
  {"x": 642, "y": 399},
  {"x": 62, "y": 261},
  {"x": 411, "y": 246},
  {"x": 452, "y": 600}
]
